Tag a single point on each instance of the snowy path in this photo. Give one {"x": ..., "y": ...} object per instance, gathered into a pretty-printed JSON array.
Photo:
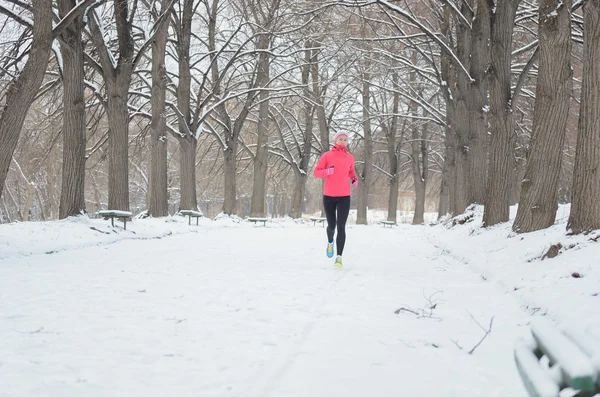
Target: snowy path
[{"x": 254, "y": 312}]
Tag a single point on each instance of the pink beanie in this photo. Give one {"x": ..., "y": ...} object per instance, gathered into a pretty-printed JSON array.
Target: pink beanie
[{"x": 339, "y": 135}]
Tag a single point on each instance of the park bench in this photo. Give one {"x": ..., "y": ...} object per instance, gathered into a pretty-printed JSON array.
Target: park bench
[
  {"x": 112, "y": 214},
  {"x": 255, "y": 220},
  {"x": 316, "y": 219},
  {"x": 386, "y": 223},
  {"x": 191, "y": 214},
  {"x": 573, "y": 356}
]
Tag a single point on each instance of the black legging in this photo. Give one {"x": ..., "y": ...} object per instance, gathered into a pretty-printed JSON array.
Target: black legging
[{"x": 342, "y": 204}]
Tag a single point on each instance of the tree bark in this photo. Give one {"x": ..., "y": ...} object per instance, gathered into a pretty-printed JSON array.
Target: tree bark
[
  {"x": 301, "y": 173},
  {"x": 539, "y": 189},
  {"x": 72, "y": 197},
  {"x": 585, "y": 206},
  {"x": 502, "y": 120},
  {"x": 477, "y": 103},
  {"x": 117, "y": 78},
  {"x": 157, "y": 189},
  {"x": 261, "y": 159},
  {"x": 448, "y": 184},
  {"x": 393, "y": 153},
  {"x": 462, "y": 116},
  {"x": 365, "y": 176},
  {"x": 187, "y": 179},
  {"x": 420, "y": 166},
  {"x": 187, "y": 139},
  {"x": 22, "y": 91},
  {"x": 230, "y": 192}
]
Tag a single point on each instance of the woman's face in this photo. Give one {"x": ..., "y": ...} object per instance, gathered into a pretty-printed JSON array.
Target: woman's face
[{"x": 342, "y": 141}]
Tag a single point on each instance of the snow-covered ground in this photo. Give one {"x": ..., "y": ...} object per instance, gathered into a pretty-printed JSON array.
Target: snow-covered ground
[{"x": 229, "y": 308}]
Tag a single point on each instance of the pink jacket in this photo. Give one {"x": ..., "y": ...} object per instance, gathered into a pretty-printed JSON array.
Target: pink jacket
[{"x": 337, "y": 184}]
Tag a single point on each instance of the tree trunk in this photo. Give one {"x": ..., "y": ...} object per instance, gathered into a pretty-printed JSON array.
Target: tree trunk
[
  {"x": 22, "y": 91},
  {"x": 310, "y": 57},
  {"x": 448, "y": 75},
  {"x": 420, "y": 165},
  {"x": 299, "y": 192},
  {"x": 365, "y": 177},
  {"x": 229, "y": 203},
  {"x": 462, "y": 116},
  {"x": 72, "y": 198},
  {"x": 157, "y": 187},
  {"x": 261, "y": 160},
  {"x": 29, "y": 201},
  {"x": 539, "y": 189},
  {"x": 585, "y": 205},
  {"x": 118, "y": 147},
  {"x": 393, "y": 149},
  {"x": 477, "y": 103},
  {"x": 187, "y": 178},
  {"x": 502, "y": 121},
  {"x": 117, "y": 78},
  {"x": 187, "y": 137},
  {"x": 52, "y": 204}
]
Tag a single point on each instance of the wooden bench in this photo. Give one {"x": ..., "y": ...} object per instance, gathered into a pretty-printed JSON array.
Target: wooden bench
[
  {"x": 112, "y": 214},
  {"x": 316, "y": 219},
  {"x": 255, "y": 220},
  {"x": 574, "y": 358},
  {"x": 386, "y": 223},
  {"x": 191, "y": 214}
]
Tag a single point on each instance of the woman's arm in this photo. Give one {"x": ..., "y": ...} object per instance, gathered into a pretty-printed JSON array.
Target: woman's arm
[
  {"x": 321, "y": 168},
  {"x": 352, "y": 173}
]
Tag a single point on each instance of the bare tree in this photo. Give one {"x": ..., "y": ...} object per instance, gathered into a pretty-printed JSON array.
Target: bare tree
[
  {"x": 23, "y": 89},
  {"x": 501, "y": 112},
  {"x": 366, "y": 170},
  {"x": 117, "y": 75},
  {"x": 539, "y": 189},
  {"x": 265, "y": 17},
  {"x": 188, "y": 119},
  {"x": 394, "y": 143},
  {"x": 72, "y": 195},
  {"x": 585, "y": 206},
  {"x": 157, "y": 189},
  {"x": 305, "y": 147}
]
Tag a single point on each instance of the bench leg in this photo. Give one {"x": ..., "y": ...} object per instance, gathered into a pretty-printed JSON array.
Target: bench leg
[
  {"x": 124, "y": 223},
  {"x": 112, "y": 221},
  {"x": 189, "y": 220}
]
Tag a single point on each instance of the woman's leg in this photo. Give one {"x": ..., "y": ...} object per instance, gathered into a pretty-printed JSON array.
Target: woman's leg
[
  {"x": 329, "y": 203},
  {"x": 343, "y": 208}
]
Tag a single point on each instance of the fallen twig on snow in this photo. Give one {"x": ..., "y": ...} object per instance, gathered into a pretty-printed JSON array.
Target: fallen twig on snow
[
  {"x": 426, "y": 311},
  {"x": 487, "y": 332}
]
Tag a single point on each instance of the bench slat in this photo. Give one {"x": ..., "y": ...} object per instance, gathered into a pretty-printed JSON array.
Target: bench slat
[
  {"x": 576, "y": 367},
  {"x": 538, "y": 382},
  {"x": 191, "y": 213},
  {"x": 589, "y": 345},
  {"x": 114, "y": 213}
]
